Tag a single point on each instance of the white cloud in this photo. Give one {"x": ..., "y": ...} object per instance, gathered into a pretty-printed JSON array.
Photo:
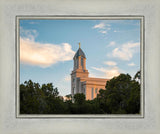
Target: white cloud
[
  {"x": 91, "y": 74},
  {"x": 33, "y": 22},
  {"x": 29, "y": 34},
  {"x": 108, "y": 73},
  {"x": 110, "y": 63},
  {"x": 99, "y": 69},
  {"x": 104, "y": 32},
  {"x": 108, "y": 25},
  {"x": 112, "y": 43},
  {"x": 131, "y": 64},
  {"x": 116, "y": 31},
  {"x": 43, "y": 55},
  {"x": 126, "y": 51},
  {"x": 100, "y": 26},
  {"x": 67, "y": 78},
  {"x": 103, "y": 27}
]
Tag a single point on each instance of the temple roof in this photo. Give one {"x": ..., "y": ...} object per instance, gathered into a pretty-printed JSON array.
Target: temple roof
[{"x": 79, "y": 53}]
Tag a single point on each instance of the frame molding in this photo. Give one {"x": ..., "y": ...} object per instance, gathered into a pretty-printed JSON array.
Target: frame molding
[{"x": 81, "y": 17}]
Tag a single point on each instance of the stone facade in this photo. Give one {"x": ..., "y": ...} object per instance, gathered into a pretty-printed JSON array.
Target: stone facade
[{"x": 80, "y": 80}]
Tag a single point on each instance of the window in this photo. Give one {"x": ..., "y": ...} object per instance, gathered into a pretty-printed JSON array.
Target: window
[
  {"x": 84, "y": 90},
  {"x": 92, "y": 93},
  {"x": 82, "y": 62},
  {"x": 96, "y": 90},
  {"x": 74, "y": 90},
  {"x": 76, "y": 63}
]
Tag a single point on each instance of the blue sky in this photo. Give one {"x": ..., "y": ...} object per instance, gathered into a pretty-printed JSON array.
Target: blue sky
[{"x": 47, "y": 48}]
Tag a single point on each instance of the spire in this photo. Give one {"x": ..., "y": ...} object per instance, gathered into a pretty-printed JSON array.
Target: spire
[
  {"x": 79, "y": 45},
  {"x": 79, "y": 52}
]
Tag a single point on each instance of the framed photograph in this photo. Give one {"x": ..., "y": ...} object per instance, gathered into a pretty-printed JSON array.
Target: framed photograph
[
  {"x": 46, "y": 52},
  {"x": 79, "y": 67}
]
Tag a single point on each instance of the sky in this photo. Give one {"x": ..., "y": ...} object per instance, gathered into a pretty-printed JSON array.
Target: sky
[{"x": 47, "y": 48}]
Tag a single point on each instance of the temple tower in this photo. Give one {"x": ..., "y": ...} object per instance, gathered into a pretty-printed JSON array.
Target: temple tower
[
  {"x": 80, "y": 80},
  {"x": 79, "y": 71}
]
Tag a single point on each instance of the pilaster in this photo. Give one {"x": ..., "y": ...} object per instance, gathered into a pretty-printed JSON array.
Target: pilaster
[{"x": 84, "y": 63}]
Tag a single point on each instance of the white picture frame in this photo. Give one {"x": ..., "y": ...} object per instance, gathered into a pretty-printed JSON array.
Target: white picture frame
[
  {"x": 9, "y": 123},
  {"x": 80, "y": 17}
]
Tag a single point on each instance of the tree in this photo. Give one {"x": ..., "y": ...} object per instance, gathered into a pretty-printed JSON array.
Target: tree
[
  {"x": 122, "y": 96},
  {"x": 31, "y": 98},
  {"x": 79, "y": 98},
  {"x": 49, "y": 89},
  {"x": 69, "y": 97},
  {"x": 36, "y": 99},
  {"x": 137, "y": 76}
]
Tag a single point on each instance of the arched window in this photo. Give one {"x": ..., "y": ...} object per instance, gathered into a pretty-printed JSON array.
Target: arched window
[
  {"x": 81, "y": 61},
  {"x": 76, "y": 63}
]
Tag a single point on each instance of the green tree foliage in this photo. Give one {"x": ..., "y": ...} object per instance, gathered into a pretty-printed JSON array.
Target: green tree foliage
[
  {"x": 35, "y": 99},
  {"x": 49, "y": 90},
  {"x": 137, "y": 75},
  {"x": 79, "y": 98},
  {"x": 69, "y": 96},
  {"x": 82, "y": 106},
  {"x": 121, "y": 96}
]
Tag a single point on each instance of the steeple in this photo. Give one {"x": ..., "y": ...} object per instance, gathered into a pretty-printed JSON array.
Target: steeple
[
  {"x": 79, "y": 53},
  {"x": 79, "y": 71},
  {"x": 80, "y": 80},
  {"x": 79, "y": 59}
]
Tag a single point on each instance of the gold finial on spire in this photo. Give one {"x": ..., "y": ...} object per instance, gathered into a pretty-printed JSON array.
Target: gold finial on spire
[{"x": 79, "y": 45}]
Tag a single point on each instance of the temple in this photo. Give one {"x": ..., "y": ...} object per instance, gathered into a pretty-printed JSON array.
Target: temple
[{"x": 80, "y": 80}]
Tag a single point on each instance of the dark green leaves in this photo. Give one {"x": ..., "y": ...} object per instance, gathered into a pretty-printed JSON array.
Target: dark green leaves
[{"x": 121, "y": 96}]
